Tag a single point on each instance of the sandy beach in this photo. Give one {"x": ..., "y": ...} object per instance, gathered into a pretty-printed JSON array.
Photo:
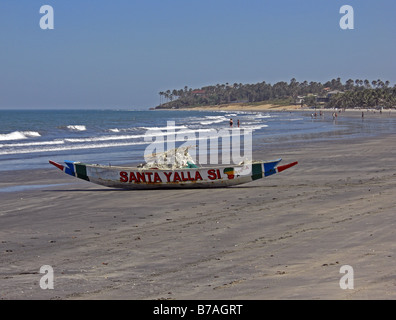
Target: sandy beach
[
  {"x": 265, "y": 107},
  {"x": 283, "y": 237},
  {"x": 248, "y": 107}
]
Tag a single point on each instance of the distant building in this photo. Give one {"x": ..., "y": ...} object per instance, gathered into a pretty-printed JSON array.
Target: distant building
[
  {"x": 332, "y": 93},
  {"x": 326, "y": 98},
  {"x": 322, "y": 100},
  {"x": 299, "y": 100},
  {"x": 199, "y": 92}
]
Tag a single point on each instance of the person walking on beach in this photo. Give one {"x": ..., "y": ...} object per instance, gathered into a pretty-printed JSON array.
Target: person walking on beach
[
  {"x": 231, "y": 122},
  {"x": 238, "y": 123}
]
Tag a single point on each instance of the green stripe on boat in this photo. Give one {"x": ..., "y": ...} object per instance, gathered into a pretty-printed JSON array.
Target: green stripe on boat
[
  {"x": 257, "y": 172},
  {"x": 81, "y": 171}
]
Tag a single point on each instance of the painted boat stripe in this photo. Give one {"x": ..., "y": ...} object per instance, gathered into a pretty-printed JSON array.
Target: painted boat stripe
[
  {"x": 286, "y": 166},
  {"x": 81, "y": 171},
  {"x": 59, "y": 166},
  {"x": 257, "y": 172},
  {"x": 69, "y": 169}
]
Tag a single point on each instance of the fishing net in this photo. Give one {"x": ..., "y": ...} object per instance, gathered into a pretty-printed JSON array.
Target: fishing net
[{"x": 172, "y": 159}]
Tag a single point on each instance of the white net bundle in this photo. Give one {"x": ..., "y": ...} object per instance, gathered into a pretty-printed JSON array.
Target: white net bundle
[{"x": 172, "y": 159}]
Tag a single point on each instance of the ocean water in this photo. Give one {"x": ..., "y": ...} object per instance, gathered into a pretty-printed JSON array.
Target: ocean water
[{"x": 29, "y": 138}]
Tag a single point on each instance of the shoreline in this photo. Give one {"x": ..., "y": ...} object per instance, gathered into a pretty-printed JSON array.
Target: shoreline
[
  {"x": 284, "y": 237},
  {"x": 270, "y": 107}
]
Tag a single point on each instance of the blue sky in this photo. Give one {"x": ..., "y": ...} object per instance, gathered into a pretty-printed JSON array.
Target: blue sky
[{"x": 121, "y": 53}]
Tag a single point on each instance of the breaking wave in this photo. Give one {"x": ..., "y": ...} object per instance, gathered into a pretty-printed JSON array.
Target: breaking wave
[
  {"x": 77, "y": 127},
  {"x": 19, "y": 135},
  {"x": 213, "y": 119}
]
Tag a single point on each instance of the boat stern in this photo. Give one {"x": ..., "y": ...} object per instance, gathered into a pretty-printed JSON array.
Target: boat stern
[{"x": 72, "y": 168}]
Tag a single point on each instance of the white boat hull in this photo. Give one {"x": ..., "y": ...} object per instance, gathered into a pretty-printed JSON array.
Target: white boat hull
[{"x": 137, "y": 178}]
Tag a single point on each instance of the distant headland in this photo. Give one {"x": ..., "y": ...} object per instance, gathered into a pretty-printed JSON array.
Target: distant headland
[{"x": 352, "y": 94}]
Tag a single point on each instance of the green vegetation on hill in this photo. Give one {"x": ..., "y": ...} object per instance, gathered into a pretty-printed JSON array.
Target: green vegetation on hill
[{"x": 351, "y": 94}]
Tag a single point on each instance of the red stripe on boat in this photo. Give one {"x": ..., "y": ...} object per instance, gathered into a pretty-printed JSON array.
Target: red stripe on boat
[
  {"x": 286, "y": 166},
  {"x": 59, "y": 166}
]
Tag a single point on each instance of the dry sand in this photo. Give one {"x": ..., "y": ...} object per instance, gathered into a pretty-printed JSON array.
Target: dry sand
[
  {"x": 271, "y": 107},
  {"x": 247, "y": 107},
  {"x": 282, "y": 237}
]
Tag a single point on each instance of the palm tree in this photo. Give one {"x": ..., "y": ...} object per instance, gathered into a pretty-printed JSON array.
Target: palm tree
[
  {"x": 161, "y": 93},
  {"x": 349, "y": 84},
  {"x": 174, "y": 93}
]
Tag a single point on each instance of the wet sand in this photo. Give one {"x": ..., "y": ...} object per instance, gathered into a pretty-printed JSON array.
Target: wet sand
[{"x": 282, "y": 237}]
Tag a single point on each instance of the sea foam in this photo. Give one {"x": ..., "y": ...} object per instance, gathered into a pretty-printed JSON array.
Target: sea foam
[
  {"x": 18, "y": 135},
  {"x": 77, "y": 127}
]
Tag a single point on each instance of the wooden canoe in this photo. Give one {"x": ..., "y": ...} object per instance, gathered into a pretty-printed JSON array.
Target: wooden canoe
[{"x": 154, "y": 178}]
